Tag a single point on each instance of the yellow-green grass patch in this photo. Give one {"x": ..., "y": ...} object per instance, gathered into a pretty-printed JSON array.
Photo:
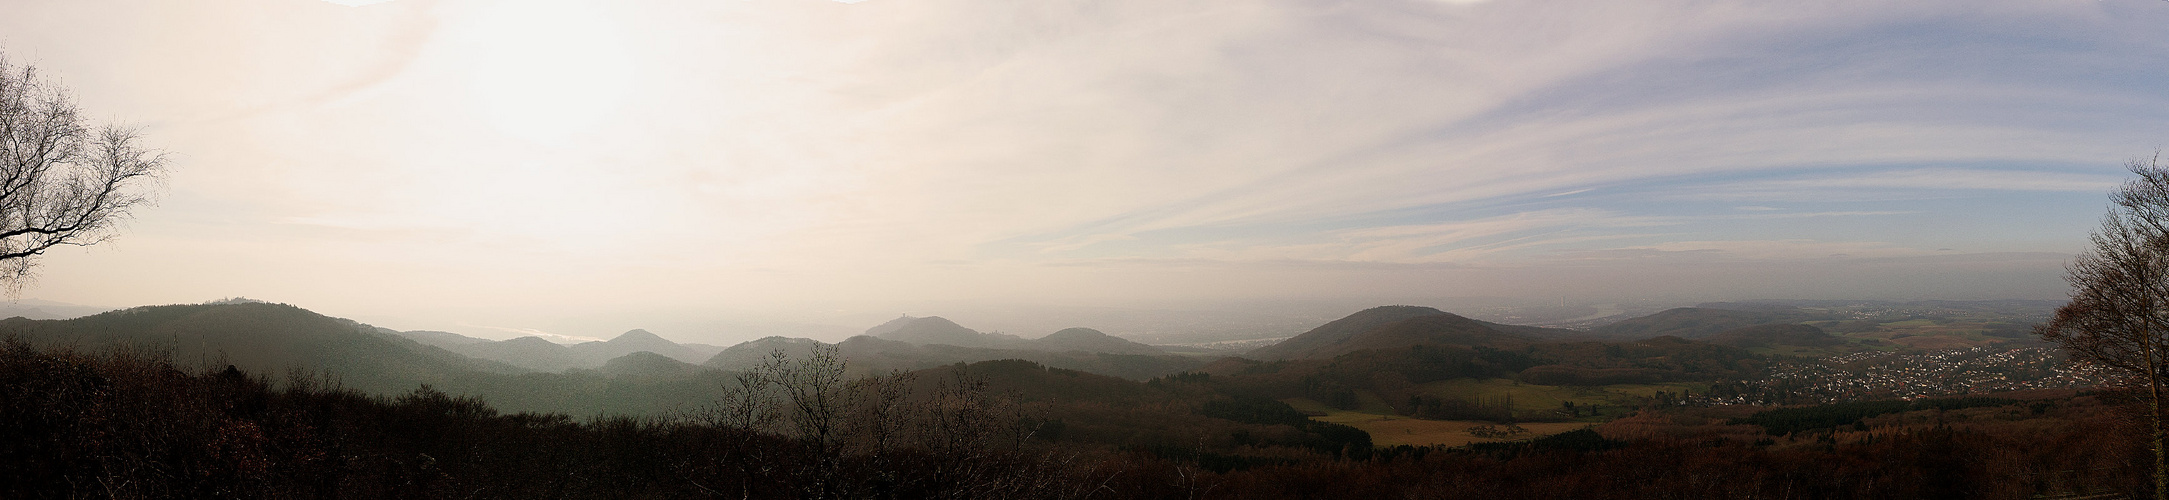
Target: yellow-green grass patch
[
  {"x": 1369, "y": 402},
  {"x": 1307, "y": 405},
  {"x": 1388, "y": 430},
  {"x": 1542, "y": 398}
]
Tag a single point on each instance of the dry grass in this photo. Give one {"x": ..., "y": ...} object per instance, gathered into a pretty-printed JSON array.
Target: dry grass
[
  {"x": 1388, "y": 430},
  {"x": 1929, "y": 334},
  {"x": 1531, "y": 398},
  {"x": 1394, "y": 430}
]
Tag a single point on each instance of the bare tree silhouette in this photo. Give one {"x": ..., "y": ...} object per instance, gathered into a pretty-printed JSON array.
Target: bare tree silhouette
[
  {"x": 62, "y": 181},
  {"x": 2118, "y": 316}
]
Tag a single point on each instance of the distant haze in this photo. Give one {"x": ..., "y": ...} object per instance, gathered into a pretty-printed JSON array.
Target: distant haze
[{"x": 717, "y": 171}]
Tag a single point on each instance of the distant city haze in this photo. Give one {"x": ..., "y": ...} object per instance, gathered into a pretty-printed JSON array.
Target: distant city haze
[{"x": 722, "y": 171}]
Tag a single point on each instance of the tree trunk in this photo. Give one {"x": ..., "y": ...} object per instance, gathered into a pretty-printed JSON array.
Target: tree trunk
[
  {"x": 2161, "y": 460},
  {"x": 2153, "y": 383}
]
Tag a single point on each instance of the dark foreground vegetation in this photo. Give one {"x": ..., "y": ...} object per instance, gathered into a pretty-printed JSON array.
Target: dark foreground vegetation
[{"x": 122, "y": 425}]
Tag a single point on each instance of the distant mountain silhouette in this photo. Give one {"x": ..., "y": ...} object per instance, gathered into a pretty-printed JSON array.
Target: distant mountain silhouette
[
  {"x": 877, "y": 355},
  {"x": 46, "y": 309},
  {"x": 1444, "y": 329},
  {"x": 1090, "y": 340},
  {"x": 264, "y": 339},
  {"x": 938, "y": 330},
  {"x": 261, "y": 338},
  {"x": 749, "y": 354},
  {"x": 647, "y": 365},
  {"x": 1340, "y": 330},
  {"x": 440, "y": 339},
  {"x": 532, "y": 353},
  {"x": 535, "y": 353},
  {"x": 1698, "y": 322},
  {"x": 1390, "y": 327},
  {"x": 870, "y": 352},
  {"x": 1079, "y": 349},
  {"x": 596, "y": 353},
  {"x": 701, "y": 351},
  {"x": 890, "y": 326}
]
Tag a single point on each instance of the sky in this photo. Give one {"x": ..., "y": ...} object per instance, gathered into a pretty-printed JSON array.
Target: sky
[{"x": 702, "y": 168}]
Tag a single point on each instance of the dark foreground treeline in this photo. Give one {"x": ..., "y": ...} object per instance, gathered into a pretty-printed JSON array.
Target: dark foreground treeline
[{"x": 122, "y": 425}]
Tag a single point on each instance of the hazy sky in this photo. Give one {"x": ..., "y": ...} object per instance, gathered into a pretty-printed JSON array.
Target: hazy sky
[{"x": 584, "y": 167}]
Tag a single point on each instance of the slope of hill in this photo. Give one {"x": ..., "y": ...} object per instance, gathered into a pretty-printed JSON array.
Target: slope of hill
[
  {"x": 1340, "y": 330},
  {"x": 261, "y": 338},
  {"x": 939, "y": 330},
  {"x": 702, "y": 351},
  {"x": 82, "y": 426},
  {"x": 536, "y": 353},
  {"x": 1444, "y": 329},
  {"x": 889, "y": 326},
  {"x": 1697, "y": 322},
  {"x": 647, "y": 365},
  {"x": 1539, "y": 332},
  {"x": 1090, "y": 340},
  {"x": 867, "y": 355},
  {"x": 876, "y": 355},
  {"x": 910, "y": 343},
  {"x": 597, "y": 353},
  {"x": 447, "y": 340},
  {"x": 1776, "y": 335},
  {"x": 272, "y": 339},
  {"x": 1392, "y": 327},
  {"x": 749, "y": 354},
  {"x": 532, "y": 353}
]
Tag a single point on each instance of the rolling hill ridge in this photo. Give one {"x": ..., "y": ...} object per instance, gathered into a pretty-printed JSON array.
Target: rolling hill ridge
[{"x": 1390, "y": 327}]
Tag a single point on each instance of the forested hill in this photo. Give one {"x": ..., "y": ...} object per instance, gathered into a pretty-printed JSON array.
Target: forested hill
[
  {"x": 1345, "y": 335},
  {"x": 1390, "y": 327},
  {"x": 261, "y": 338},
  {"x": 637, "y": 373},
  {"x": 1008, "y": 429}
]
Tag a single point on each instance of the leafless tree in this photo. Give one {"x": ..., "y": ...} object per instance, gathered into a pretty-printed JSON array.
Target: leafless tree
[
  {"x": 749, "y": 401},
  {"x": 816, "y": 401},
  {"x": 961, "y": 440},
  {"x": 749, "y": 405},
  {"x": 806, "y": 398},
  {"x": 62, "y": 182},
  {"x": 817, "y": 395},
  {"x": 881, "y": 417},
  {"x": 2118, "y": 316},
  {"x": 966, "y": 425}
]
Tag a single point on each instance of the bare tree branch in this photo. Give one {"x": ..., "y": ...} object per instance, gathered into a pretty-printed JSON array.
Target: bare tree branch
[
  {"x": 62, "y": 182},
  {"x": 2118, "y": 316}
]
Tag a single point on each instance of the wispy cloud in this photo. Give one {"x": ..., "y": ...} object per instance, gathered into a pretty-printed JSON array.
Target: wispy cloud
[
  {"x": 1937, "y": 179},
  {"x": 701, "y": 152},
  {"x": 1768, "y": 250}
]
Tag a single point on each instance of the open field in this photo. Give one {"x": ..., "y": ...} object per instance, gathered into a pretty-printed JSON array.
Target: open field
[
  {"x": 1852, "y": 346},
  {"x": 1532, "y": 401},
  {"x": 1529, "y": 401},
  {"x": 1937, "y": 333},
  {"x": 1393, "y": 430}
]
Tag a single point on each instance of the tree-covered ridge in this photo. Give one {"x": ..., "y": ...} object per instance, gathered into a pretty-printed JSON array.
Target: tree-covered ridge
[
  {"x": 77, "y": 430},
  {"x": 1784, "y": 421}
]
